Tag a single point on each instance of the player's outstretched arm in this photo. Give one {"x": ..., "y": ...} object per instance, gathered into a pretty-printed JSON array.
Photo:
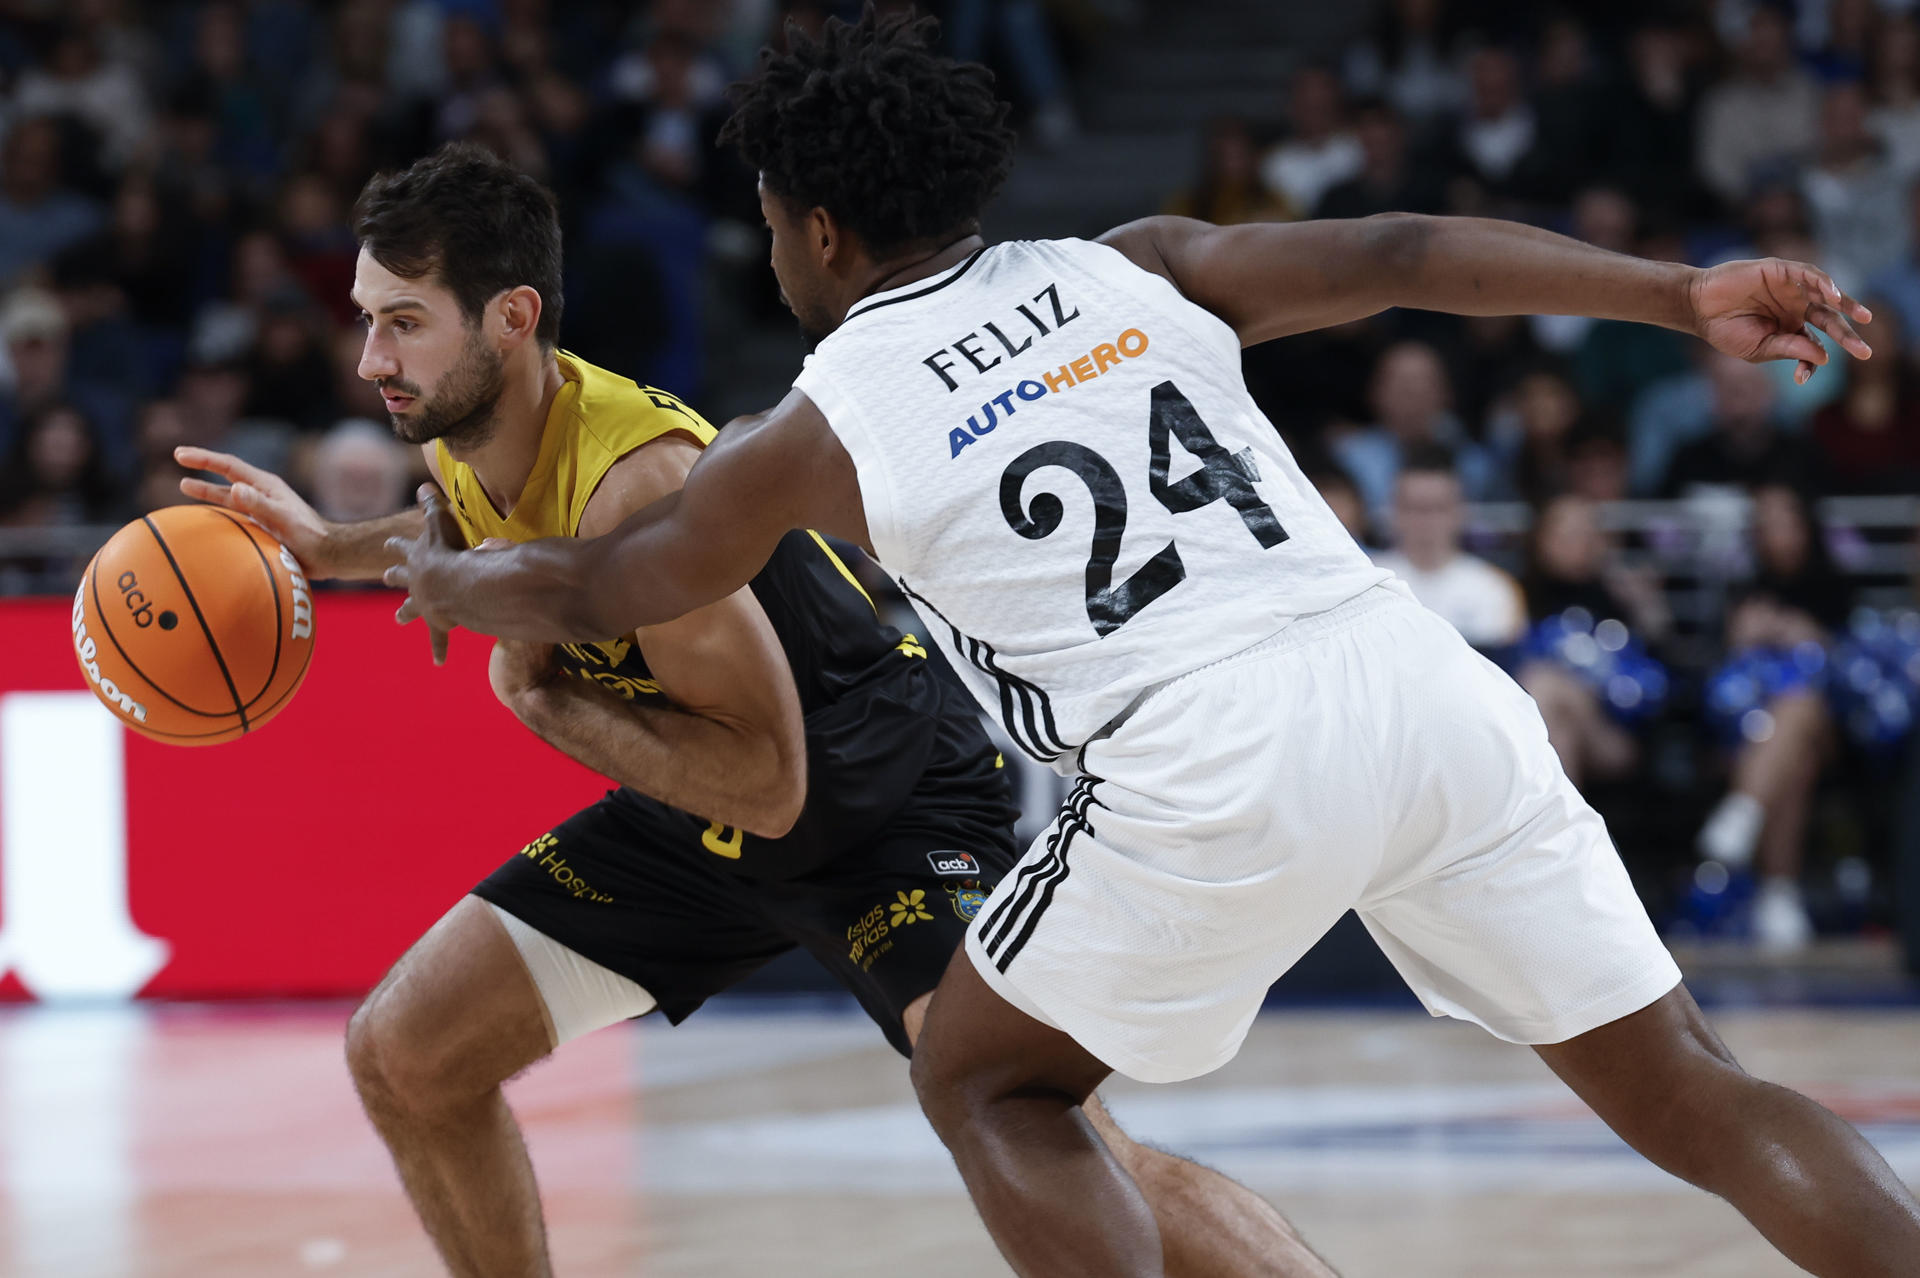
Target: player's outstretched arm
[
  {"x": 764, "y": 476},
  {"x": 325, "y": 549},
  {"x": 1272, "y": 279}
]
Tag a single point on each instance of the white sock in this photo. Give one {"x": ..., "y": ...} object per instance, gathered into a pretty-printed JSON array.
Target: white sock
[{"x": 1732, "y": 832}]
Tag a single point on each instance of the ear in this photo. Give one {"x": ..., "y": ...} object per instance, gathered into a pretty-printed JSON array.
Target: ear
[
  {"x": 823, "y": 235},
  {"x": 518, "y": 311}
]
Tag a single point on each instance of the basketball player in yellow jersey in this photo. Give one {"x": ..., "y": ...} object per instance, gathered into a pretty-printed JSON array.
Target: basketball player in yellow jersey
[{"x": 794, "y": 772}]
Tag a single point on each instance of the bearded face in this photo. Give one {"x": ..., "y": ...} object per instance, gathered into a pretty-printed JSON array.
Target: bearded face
[{"x": 460, "y": 406}]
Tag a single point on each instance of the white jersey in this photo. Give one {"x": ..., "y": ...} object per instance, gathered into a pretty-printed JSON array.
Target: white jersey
[{"x": 1063, "y": 470}]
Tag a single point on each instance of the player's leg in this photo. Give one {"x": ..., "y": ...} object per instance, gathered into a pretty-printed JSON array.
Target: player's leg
[
  {"x": 1520, "y": 917},
  {"x": 1006, "y": 1095},
  {"x": 456, "y": 1017},
  {"x": 1210, "y": 1225},
  {"x": 616, "y": 908},
  {"x": 1808, "y": 1181}
]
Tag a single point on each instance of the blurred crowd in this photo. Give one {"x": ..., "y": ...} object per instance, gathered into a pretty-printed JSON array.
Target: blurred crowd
[
  {"x": 176, "y": 181},
  {"x": 175, "y": 256},
  {"x": 1697, "y": 132}
]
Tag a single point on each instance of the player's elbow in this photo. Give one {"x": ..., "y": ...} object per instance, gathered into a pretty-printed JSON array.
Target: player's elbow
[
  {"x": 777, "y": 805},
  {"x": 770, "y": 772}
]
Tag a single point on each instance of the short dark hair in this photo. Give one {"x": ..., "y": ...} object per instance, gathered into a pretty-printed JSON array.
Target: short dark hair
[
  {"x": 900, "y": 145},
  {"x": 1426, "y": 458},
  {"x": 472, "y": 219}
]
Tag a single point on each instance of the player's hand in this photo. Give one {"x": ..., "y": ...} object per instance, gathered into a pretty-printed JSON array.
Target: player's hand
[
  {"x": 1766, "y": 310},
  {"x": 267, "y": 500},
  {"x": 431, "y": 561}
]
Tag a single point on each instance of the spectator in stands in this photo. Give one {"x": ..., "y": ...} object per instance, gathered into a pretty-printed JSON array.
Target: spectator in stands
[
  {"x": 35, "y": 331},
  {"x": 1571, "y": 565},
  {"x": 1230, "y": 188},
  {"x": 238, "y": 102},
  {"x": 1894, "y": 90},
  {"x": 1573, "y": 112},
  {"x": 1387, "y": 182},
  {"x": 1024, "y": 38},
  {"x": 163, "y": 427},
  {"x": 1408, "y": 60},
  {"x": 1843, "y": 55},
  {"x": 1308, "y": 383},
  {"x": 57, "y": 473},
  {"x": 1531, "y": 437},
  {"x": 1484, "y": 355},
  {"x": 318, "y": 243},
  {"x": 1900, "y": 283},
  {"x": 289, "y": 376},
  {"x": 141, "y": 250},
  {"x": 1744, "y": 444},
  {"x": 38, "y": 217},
  {"x": 1412, "y": 405},
  {"x": 1497, "y": 132},
  {"x": 1796, "y": 600},
  {"x": 80, "y": 82},
  {"x": 1869, "y": 438},
  {"x": 1477, "y": 599},
  {"x": 1598, "y": 466},
  {"x": 1765, "y": 114},
  {"x": 659, "y": 131},
  {"x": 1319, "y": 150},
  {"x": 1858, "y": 203},
  {"x": 360, "y": 471},
  {"x": 1649, "y": 134}
]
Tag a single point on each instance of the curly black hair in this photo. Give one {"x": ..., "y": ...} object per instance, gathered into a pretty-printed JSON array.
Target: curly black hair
[
  {"x": 474, "y": 220},
  {"x": 899, "y": 144}
]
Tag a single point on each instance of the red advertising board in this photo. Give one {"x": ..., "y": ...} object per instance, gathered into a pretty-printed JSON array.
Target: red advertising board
[{"x": 299, "y": 860}]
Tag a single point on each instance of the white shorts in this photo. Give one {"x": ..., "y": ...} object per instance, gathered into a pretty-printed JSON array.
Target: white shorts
[{"x": 1365, "y": 758}]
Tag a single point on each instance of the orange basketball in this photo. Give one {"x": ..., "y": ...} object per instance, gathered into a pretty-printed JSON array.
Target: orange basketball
[{"x": 193, "y": 625}]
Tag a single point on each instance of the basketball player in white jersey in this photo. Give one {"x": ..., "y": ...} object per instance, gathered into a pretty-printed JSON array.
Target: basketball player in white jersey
[{"x": 1050, "y": 448}]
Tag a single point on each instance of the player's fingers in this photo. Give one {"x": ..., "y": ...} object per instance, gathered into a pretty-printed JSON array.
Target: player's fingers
[
  {"x": 1834, "y": 324},
  {"x": 1818, "y": 284},
  {"x": 1801, "y": 372},
  {"x": 409, "y": 611},
  {"x": 437, "y": 640},
  {"x": 396, "y": 576},
  {"x": 399, "y": 546},
  {"x": 201, "y": 490},
  {"x": 225, "y": 465},
  {"x": 1795, "y": 345},
  {"x": 495, "y": 543}
]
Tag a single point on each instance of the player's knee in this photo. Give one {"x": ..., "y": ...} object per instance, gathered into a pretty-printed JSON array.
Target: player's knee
[{"x": 395, "y": 1063}]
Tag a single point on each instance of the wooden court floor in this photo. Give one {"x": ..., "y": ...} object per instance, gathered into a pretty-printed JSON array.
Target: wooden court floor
[{"x": 192, "y": 1143}]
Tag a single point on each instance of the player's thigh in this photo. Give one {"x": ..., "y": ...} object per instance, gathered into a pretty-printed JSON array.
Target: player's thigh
[
  {"x": 458, "y": 1013},
  {"x": 886, "y": 917},
  {"x": 624, "y": 907},
  {"x": 1212, "y": 839},
  {"x": 1501, "y": 898}
]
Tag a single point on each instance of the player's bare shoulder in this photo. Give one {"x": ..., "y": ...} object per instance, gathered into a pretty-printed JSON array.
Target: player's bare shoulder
[{"x": 656, "y": 469}]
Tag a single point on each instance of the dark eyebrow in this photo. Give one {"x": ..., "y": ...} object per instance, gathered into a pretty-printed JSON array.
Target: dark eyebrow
[{"x": 399, "y": 304}]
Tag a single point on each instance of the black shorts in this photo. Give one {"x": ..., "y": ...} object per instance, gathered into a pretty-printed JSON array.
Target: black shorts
[{"x": 645, "y": 889}]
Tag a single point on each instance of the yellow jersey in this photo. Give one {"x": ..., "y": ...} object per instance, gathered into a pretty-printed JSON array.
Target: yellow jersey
[{"x": 596, "y": 418}]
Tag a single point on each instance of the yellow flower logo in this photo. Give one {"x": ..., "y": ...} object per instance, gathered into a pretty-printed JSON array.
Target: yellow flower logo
[{"x": 908, "y": 908}]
